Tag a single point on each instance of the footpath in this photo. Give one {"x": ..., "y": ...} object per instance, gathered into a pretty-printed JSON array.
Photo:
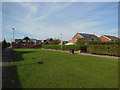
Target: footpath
[
  {"x": 10, "y": 77},
  {"x": 89, "y": 54},
  {"x": 6, "y": 56}
]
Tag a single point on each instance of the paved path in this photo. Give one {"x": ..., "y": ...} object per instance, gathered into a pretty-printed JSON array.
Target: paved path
[
  {"x": 105, "y": 56},
  {"x": 6, "y": 56},
  {"x": 10, "y": 78},
  {"x": 0, "y": 55}
]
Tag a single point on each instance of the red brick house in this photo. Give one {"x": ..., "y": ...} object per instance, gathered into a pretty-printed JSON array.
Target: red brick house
[
  {"x": 90, "y": 37},
  {"x": 26, "y": 43},
  {"x": 109, "y": 38}
]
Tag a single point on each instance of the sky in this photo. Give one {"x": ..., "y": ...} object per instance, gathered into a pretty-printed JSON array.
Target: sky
[{"x": 43, "y": 20}]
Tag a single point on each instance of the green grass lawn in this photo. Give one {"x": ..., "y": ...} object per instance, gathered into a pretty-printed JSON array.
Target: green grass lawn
[{"x": 64, "y": 70}]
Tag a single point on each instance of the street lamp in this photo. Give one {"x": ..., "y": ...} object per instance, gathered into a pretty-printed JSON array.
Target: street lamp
[
  {"x": 61, "y": 40},
  {"x": 13, "y": 35}
]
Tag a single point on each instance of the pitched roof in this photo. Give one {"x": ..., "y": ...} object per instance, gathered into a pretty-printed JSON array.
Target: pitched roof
[
  {"x": 112, "y": 37},
  {"x": 92, "y": 36},
  {"x": 26, "y": 38},
  {"x": 49, "y": 39}
]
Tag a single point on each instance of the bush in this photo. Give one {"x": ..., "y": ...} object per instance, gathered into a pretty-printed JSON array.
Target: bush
[
  {"x": 112, "y": 50},
  {"x": 66, "y": 47}
]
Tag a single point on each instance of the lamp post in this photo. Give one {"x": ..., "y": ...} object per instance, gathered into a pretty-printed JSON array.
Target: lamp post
[
  {"x": 13, "y": 35},
  {"x": 61, "y": 41}
]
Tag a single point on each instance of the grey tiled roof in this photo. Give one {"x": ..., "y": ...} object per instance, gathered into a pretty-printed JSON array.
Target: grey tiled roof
[{"x": 92, "y": 36}]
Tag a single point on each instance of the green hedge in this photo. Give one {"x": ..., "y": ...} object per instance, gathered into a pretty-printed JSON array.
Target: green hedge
[
  {"x": 112, "y": 50},
  {"x": 66, "y": 47},
  {"x": 103, "y": 43}
]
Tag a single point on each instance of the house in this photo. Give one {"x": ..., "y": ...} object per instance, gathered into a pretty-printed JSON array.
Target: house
[
  {"x": 90, "y": 37},
  {"x": 109, "y": 38},
  {"x": 48, "y": 41},
  {"x": 26, "y": 43}
]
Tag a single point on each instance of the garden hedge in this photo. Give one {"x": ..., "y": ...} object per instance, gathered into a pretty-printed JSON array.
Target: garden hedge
[
  {"x": 112, "y": 50},
  {"x": 103, "y": 43},
  {"x": 66, "y": 47}
]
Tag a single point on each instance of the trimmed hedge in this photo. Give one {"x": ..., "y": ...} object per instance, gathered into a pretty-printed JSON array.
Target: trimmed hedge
[
  {"x": 112, "y": 50},
  {"x": 103, "y": 43},
  {"x": 66, "y": 47}
]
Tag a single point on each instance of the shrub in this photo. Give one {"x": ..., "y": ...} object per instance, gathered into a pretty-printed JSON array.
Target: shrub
[{"x": 112, "y": 50}]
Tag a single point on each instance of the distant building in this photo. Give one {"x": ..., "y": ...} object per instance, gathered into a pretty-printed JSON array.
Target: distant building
[
  {"x": 48, "y": 41},
  {"x": 109, "y": 38},
  {"x": 90, "y": 37},
  {"x": 26, "y": 43}
]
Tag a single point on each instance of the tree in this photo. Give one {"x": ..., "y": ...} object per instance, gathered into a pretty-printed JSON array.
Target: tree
[
  {"x": 4, "y": 44},
  {"x": 81, "y": 41}
]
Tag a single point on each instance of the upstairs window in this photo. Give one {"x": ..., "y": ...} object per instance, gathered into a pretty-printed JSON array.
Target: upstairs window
[{"x": 24, "y": 40}]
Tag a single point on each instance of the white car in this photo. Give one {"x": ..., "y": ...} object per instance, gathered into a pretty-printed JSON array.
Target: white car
[{"x": 69, "y": 44}]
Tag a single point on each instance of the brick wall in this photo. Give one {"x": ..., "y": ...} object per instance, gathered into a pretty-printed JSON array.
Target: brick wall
[{"x": 77, "y": 36}]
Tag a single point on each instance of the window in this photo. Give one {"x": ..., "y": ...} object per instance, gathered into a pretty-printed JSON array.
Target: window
[
  {"x": 24, "y": 40},
  {"x": 28, "y": 40},
  {"x": 37, "y": 42}
]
